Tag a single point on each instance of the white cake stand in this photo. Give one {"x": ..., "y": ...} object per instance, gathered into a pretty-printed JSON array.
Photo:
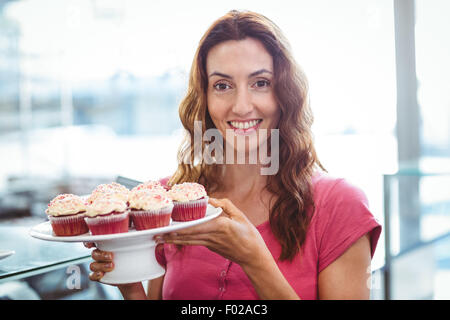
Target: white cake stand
[{"x": 134, "y": 251}]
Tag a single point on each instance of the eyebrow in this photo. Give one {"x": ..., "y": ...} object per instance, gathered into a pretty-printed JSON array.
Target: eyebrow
[{"x": 253, "y": 74}]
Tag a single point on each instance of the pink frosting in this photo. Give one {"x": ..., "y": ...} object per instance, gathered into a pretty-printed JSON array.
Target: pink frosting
[
  {"x": 105, "y": 205},
  {"x": 119, "y": 191},
  {"x": 65, "y": 204},
  {"x": 187, "y": 191},
  {"x": 150, "y": 185},
  {"x": 149, "y": 199}
]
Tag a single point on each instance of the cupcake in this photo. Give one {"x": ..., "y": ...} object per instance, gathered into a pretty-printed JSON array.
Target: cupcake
[
  {"x": 115, "y": 189},
  {"x": 119, "y": 191},
  {"x": 107, "y": 214},
  {"x": 190, "y": 201},
  {"x": 66, "y": 213},
  {"x": 149, "y": 208}
]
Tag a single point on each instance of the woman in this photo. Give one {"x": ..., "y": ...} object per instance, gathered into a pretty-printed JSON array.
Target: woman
[{"x": 294, "y": 234}]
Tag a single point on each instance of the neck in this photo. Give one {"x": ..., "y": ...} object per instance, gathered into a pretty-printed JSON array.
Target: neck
[{"x": 243, "y": 179}]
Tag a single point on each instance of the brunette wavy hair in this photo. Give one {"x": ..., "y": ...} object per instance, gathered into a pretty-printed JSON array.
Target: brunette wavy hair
[{"x": 291, "y": 212}]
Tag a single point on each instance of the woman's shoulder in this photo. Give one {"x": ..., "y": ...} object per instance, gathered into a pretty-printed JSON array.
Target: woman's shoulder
[
  {"x": 328, "y": 189},
  {"x": 340, "y": 204},
  {"x": 341, "y": 217}
]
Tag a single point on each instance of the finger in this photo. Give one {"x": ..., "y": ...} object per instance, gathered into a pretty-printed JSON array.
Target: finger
[
  {"x": 96, "y": 276},
  {"x": 102, "y": 256},
  {"x": 89, "y": 244},
  {"x": 188, "y": 237},
  {"x": 101, "y": 266},
  {"x": 189, "y": 242},
  {"x": 212, "y": 226}
]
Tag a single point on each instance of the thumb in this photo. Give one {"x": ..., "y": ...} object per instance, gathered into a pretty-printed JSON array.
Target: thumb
[{"x": 227, "y": 206}]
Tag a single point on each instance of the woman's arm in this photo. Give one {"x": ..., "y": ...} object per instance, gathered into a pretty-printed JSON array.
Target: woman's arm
[
  {"x": 154, "y": 288},
  {"x": 235, "y": 238},
  {"x": 268, "y": 281},
  {"x": 348, "y": 277},
  {"x": 132, "y": 291}
]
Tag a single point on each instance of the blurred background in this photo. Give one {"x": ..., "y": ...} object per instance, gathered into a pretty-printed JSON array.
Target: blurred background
[{"x": 89, "y": 94}]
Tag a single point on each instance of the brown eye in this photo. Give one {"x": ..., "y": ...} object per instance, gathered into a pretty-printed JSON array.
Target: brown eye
[
  {"x": 221, "y": 86},
  {"x": 262, "y": 83}
]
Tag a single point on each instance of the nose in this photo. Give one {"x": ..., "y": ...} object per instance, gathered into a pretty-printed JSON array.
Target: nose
[{"x": 243, "y": 103}]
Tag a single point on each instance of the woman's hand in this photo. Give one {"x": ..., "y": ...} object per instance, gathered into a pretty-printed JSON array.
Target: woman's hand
[
  {"x": 103, "y": 262},
  {"x": 231, "y": 235}
]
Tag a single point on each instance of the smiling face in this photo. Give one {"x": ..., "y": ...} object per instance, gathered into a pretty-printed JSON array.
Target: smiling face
[{"x": 240, "y": 95}]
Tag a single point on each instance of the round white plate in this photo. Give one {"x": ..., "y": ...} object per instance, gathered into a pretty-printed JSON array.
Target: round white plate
[
  {"x": 134, "y": 251},
  {"x": 44, "y": 230},
  {"x": 6, "y": 253}
]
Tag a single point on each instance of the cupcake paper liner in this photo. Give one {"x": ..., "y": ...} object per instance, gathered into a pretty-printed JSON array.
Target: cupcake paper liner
[
  {"x": 149, "y": 219},
  {"x": 191, "y": 210},
  {"x": 71, "y": 225},
  {"x": 107, "y": 224}
]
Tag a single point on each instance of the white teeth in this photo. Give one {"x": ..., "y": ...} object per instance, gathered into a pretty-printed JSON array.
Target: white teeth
[{"x": 244, "y": 125}]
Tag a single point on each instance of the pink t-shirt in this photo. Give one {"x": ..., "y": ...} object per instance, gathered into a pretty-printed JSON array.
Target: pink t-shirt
[{"x": 341, "y": 217}]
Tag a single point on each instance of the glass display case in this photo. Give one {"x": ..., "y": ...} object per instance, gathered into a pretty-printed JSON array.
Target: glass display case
[
  {"x": 43, "y": 270},
  {"x": 35, "y": 269},
  {"x": 417, "y": 235}
]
